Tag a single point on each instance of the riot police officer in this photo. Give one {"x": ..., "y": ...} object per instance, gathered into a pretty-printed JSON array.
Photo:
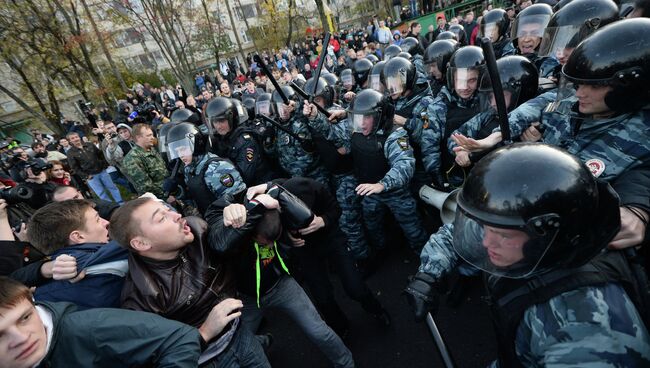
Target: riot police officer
[
  {"x": 455, "y": 104},
  {"x": 436, "y": 58},
  {"x": 527, "y": 31},
  {"x": 539, "y": 236},
  {"x": 236, "y": 142},
  {"x": 495, "y": 25},
  {"x": 207, "y": 176}
]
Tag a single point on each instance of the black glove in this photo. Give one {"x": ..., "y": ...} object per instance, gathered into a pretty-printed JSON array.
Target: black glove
[
  {"x": 421, "y": 296},
  {"x": 169, "y": 185}
]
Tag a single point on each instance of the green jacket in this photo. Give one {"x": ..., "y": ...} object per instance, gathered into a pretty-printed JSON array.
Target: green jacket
[
  {"x": 106, "y": 337},
  {"x": 146, "y": 170}
]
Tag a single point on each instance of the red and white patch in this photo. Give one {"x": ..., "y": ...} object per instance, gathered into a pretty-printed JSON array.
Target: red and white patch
[{"x": 596, "y": 166}]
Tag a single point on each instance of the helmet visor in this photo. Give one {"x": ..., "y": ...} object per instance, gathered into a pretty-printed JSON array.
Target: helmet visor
[
  {"x": 363, "y": 123},
  {"x": 464, "y": 78},
  {"x": 162, "y": 143},
  {"x": 375, "y": 82},
  {"x": 180, "y": 148},
  {"x": 530, "y": 26},
  {"x": 559, "y": 42},
  {"x": 490, "y": 30},
  {"x": 284, "y": 111},
  {"x": 348, "y": 80},
  {"x": 243, "y": 114},
  {"x": 395, "y": 84},
  {"x": 486, "y": 94},
  {"x": 263, "y": 108},
  {"x": 504, "y": 252}
]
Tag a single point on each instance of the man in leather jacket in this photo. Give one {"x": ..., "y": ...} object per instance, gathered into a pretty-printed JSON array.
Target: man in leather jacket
[{"x": 167, "y": 253}]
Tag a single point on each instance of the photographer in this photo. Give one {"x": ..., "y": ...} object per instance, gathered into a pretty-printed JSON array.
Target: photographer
[
  {"x": 36, "y": 179},
  {"x": 40, "y": 152},
  {"x": 87, "y": 161}
]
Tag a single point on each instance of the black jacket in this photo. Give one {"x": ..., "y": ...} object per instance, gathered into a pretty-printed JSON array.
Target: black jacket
[{"x": 86, "y": 161}]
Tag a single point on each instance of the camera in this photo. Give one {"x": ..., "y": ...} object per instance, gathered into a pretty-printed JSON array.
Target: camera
[
  {"x": 38, "y": 166},
  {"x": 17, "y": 194},
  {"x": 113, "y": 135}
]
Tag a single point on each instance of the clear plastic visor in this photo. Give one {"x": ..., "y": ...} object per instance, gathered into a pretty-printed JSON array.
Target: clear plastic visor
[
  {"x": 263, "y": 108},
  {"x": 490, "y": 30},
  {"x": 505, "y": 252},
  {"x": 348, "y": 80},
  {"x": 433, "y": 70},
  {"x": 284, "y": 111},
  {"x": 395, "y": 84},
  {"x": 559, "y": 42},
  {"x": 530, "y": 26},
  {"x": 464, "y": 78},
  {"x": 180, "y": 148},
  {"x": 375, "y": 82},
  {"x": 362, "y": 123}
]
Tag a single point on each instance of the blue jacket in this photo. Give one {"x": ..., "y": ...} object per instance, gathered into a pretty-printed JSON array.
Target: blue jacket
[{"x": 100, "y": 287}]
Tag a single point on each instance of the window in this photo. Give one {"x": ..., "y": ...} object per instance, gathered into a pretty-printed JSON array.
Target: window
[
  {"x": 243, "y": 36},
  {"x": 127, "y": 37},
  {"x": 246, "y": 11}
]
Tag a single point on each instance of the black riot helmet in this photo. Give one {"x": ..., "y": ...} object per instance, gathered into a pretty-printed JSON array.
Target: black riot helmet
[
  {"x": 529, "y": 25},
  {"x": 411, "y": 45},
  {"x": 371, "y": 111},
  {"x": 220, "y": 109},
  {"x": 184, "y": 115},
  {"x": 437, "y": 56},
  {"x": 460, "y": 72},
  {"x": 331, "y": 79},
  {"x": 249, "y": 105},
  {"x": 374, "y": 79},
  {"x": 373, "y": 58},
  {"x": 446, "y": 35},
  {"x": 360, "y": 70},
  {"x": 300, "y": 83},
  {"x": 616, "y": 56},
  {"x": 398, "y": 76},
  {"x": 550, "y": 3},
  {"x": 323, "y": 90},
  {"x": 519, "y": 79},
  {"x": 263, "y": 105},
  {"x": 347, "y": 79},
  {"x": 185, "y": 139},
  {"x": 460, "y": 33},
  {"x": 528, "y": 208},
  {"x": 495, "y": 24},
  {"x": 241, "y": 110},
  {"x": 405, "y": 55},
  {"x": 391, "y": 51},
  {"x": 279, "y": 108},
  {"x": 162, "y": 137},
  {"x": 573, "y": 23}
]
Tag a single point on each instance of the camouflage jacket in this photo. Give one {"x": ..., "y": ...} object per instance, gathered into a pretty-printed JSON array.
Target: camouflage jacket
[
  {"x": 596, "y": 325},
  {"x": 397, "y": 149},
  {"x": 146, "y": 170}
]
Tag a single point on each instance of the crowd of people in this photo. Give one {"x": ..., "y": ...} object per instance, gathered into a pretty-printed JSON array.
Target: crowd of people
[{"x": 161, "y": 232}]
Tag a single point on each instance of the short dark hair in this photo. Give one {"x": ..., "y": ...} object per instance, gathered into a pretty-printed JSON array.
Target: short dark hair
[
  {"x": 51, "y": 225},
  {"x": 414, "y": 24},
  {"x": 13, "y": 292},
  {"x": 123, "y": 226},
  {"x": 67, "y": 136},
  {"x": 270, "y": 226},
  {"x": 36, "y": 144}
]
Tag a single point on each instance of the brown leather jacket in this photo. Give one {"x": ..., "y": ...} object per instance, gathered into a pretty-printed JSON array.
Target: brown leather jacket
[{"x": 183, "y": 289}]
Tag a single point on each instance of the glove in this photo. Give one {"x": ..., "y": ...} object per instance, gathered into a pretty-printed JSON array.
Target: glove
[
  {"x": 421, "y": 296},
  {"x": 169, "y": 184}
]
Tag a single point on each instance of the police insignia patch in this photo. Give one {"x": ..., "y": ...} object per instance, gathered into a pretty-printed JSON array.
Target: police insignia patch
[
  {"x": 596, "y": 166},
  {"x": 249, "y": 154},
  {"x": 286, "y": 139},
  {"x": 403, "y": 143},
  {"x": 227, "y": 180},
  {"x": 246, "y": 136}
]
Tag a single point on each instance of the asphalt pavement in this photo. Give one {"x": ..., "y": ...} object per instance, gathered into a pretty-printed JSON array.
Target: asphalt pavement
[{"x": 466, "y": 329}]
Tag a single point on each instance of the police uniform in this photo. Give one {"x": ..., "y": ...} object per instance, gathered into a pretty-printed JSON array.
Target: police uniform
[
  {"x": 244, "y": 150},
  {"x": 446, "y": 114},
  {"x": 293, "y": 157},
  {"x": 209, "y": 177}
]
